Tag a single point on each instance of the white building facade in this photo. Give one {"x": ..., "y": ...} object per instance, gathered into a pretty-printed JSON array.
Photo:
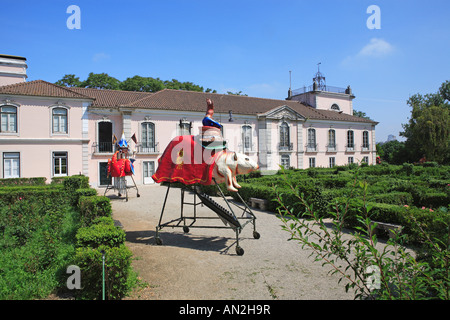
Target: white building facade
[{"x": 50, "y": 131}]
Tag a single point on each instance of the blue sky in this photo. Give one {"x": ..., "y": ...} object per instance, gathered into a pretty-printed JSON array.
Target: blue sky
[{"x": 245, "y": 45}]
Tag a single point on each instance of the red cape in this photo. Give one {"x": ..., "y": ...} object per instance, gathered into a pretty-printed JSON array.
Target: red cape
[{"x": 186, "y": 161}]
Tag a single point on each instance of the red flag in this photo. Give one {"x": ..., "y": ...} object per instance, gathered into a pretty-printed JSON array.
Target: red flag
[{"x": 133, "y": 137}]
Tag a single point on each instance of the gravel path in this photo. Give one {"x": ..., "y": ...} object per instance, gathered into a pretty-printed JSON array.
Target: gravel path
[{"x": 203, "y": 264}]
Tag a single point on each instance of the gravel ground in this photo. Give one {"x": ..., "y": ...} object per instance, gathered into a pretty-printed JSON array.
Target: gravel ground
[{"x": 203, "y": 265}]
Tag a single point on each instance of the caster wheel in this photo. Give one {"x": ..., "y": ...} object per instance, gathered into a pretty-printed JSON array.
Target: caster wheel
[
  {"x": 138, "y": 195},
  {"x": 158, "y": 241},
  {"x": 119, "y": 194},
  {"x": 239, "y": 251},
  {"x": 186, "y": 229},
  {"x": 256, "y": 235}
]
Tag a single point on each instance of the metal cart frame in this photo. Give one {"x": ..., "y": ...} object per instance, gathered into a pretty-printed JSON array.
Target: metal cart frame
[{"x": 228, "y": 217}]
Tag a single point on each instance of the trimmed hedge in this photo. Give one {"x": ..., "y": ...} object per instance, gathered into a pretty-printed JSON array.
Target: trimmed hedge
[
  {"x": 101, "y": 232},
  {"x": 117, "y": 272},
  {"x": 92, "y": 207},
  {"x": 98, "y": 234},
  {"x": 73, "y": 183},
  {"x": 46, "y": 193},
  {"x": 395, "y": 194},
  {"x": 33, "y": 213},
  {"x": 39, "y": 181}
]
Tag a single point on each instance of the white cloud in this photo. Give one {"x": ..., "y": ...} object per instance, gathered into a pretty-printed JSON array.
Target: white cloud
[
  {"x": 376, "y": 48},
  {"x": 100, "y": 57}
]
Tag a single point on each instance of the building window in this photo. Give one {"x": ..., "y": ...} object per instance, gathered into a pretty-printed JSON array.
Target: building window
[
  {"x": 365, "y": 140},
  {"x": 59, "y": 164},
  {"x": 149, "y": 170},
  {"x": 11, "y": 165},
  {"x": 311, "y": 139},
  {"x": 366, "y": 160},
  {"x": 247, "y": 137},
  {"x": 350, "y": 160},
  {"x": 285, "y": 139},
  {"x": 332, "y": 162},
  {"x": 148, "y": 137},
  {"x": 8, "y": 116},
  {"x": 59, "y": 119},
  {"x": 104, "y": 179},
  {"x": 285, "y": 161},
  {"x": 331, "y": 140},
  {"x": 350, "y": 140},
  {"x": 105, "y": 137},
  {"x": 335, "y": 107},
  {"x": 184, "y": 127},
  {"x": 312, "y": 162}
]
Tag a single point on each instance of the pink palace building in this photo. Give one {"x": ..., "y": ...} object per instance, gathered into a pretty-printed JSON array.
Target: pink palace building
[{"x": 51, "y": 131}]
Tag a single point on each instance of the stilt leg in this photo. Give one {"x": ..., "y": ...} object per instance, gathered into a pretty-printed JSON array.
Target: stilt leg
[{"x": 157, "y": 238}]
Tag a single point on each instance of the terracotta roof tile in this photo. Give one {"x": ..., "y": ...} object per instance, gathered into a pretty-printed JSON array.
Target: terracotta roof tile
[
  {"x": 111, "y": 98},
  {"x": 40, "y": 88},
  {"x": 182, "y": 100},
  {"x": 177, "y": 100}
]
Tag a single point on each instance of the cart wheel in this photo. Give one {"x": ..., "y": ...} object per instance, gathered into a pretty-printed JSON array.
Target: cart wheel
[
  {"x": 119, "y": 194},
  {"x": 158, "y": 241},
  {"x": 239, "y": 251},
  {"x": 186, "y": 229},
  {"x": 256, "y": 235}
]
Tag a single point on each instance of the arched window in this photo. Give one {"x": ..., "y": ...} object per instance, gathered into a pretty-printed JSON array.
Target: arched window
[
  {"x": 335, "y": 107},
  {"x": 331, "y": 139},
  {"x": 285, "y": 161},
  {"x": 148, "y": 137},
  {"x": 8, "y": 118},
  {"x": 311, "y": 138},
  {"x": 104, "y": 137},
  {"x": 365, "y": 140},
  {"x": 59, "y": 120},
  {"x": 247, "y": 137},
  {"x": 350, "y": 139},
  {"x": 285, "y": 140}
]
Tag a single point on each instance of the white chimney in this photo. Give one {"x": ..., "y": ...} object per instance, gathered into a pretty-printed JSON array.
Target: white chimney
[{"x": 13, "y": 69}]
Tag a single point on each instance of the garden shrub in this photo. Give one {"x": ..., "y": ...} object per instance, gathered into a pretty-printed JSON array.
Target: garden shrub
[
  {"x": 35, "y": 246},
  {"x": 92, "y": 207},
  {"x": 73, "y": 183},
  {"x": 101, "y": 232},
  {"x": 39, "y": 181},
  {"x": 395, "y": 197},
  {"x": 117, "y": 272},
  {"x": 10, "y": 195},
  {"x": 84, "y": 192}
]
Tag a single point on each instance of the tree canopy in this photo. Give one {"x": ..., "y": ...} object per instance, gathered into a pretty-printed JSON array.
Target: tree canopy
[
  {"x": 428, "y": 129},
  {"x": 135, "y": 83}
]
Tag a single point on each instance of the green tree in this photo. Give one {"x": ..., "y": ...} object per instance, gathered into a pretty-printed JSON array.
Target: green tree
[
  {"x": 136, "y": 83},
  {"x": 237, "y": 93},
  {"x": 69, "y": 80},
  {"x": 101, "y": 81},
  {"x": 427, "y": 131},
  {"x": 143, "y": 84},
  {"x": 360, "y": 114},
  {"x": 177, "y": 85},
  {"x": 393, "y": 152}
]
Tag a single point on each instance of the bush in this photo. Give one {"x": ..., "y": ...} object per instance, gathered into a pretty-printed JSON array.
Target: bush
[
  {"x": 23, "y": 181},
  {"x": 84, "y": 192},
  {"x": 10, "y": 195},
  {"x": 117, "y": 272},
  {"x": 73, "y": 183},
  {"x": 102, "y": 232},
  {"x": 34, "y": 247},
  {"x": 395, "y": 197},
  {"x": 92, "y": 207}
]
